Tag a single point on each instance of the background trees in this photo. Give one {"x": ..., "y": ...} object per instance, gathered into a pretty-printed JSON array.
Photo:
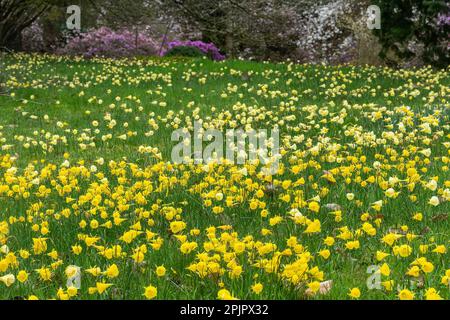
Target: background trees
[
  {"x": 16, "y": 15},
  {"x": 413, "y": 31},
  {"x": 260, "y": 28}
]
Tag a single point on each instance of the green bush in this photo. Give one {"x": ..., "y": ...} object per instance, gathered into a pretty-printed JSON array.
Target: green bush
[{"x": 185, "y": 51}]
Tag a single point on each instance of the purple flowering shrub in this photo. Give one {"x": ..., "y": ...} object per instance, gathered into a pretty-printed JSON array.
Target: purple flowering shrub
[
  {"x": 104, "y": 42},
  {"x": 209, "y": 49},
  {"x": 443, "y": 24}
]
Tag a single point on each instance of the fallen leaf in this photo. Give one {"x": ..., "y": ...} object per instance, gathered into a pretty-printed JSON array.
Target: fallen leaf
[
  {"x": 333, "y": 206},
  {"x": 440, "y": 217}
]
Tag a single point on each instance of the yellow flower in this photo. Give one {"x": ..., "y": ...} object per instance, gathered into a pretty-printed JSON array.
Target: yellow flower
[
  {"x": 71, "y": 271},
  {"x": 95, "y": 271},
  {"x": 324, "y": 253},
  {"x": 77, "y": 249},
  {"x": 92, "y": 290},
  {"x": 314, "y": 286},
  {"x": 390, "y": 238},
  {"x": 90, "y": 241},
  {"x": 388, "y": 285},
  {"x": 377, "y": 205},
  {"x": 329, "y": 241},
  {"x": 72, "y": 291},
  {"x": 414, "y": 271},
  {"x": 4, "y": 227},
  {"x": 112, "y": 271},
  {"x": 313, "y": 227},
  {"x": 257, "y": 288},
  {"x": 427, "y": 267},
  {"x": 275, "y": 220},
  {"x": 177, "y": 226},
  {"x": 432, "y": 294},
  {"x": 352, "y": 245},
  {"x": 385, "y": 270},
  {"x": 354, "y": 293},
  {"x": 24, "y": 254},
  {"x": 404, "y": 250},
  {"x": 224, "y": 294},
  {"x": 314, "y": 206},
  {"x": 188, "y": 247},
  {"x": 423, "y": 248},
  {"x": 22, "y": 276},
  {"x": 441, "y": 249},
  {"x": 160, "y": 271},
  {"x": 101, "y": 286},
  {"x": 405, "y": 294},
  {"x": 44, "y": 273},
  {"x": 39, "y": 245},
  {"x": 381, "y": 255},
  {"x": 239, "y": 247},
  {"x": 390, "y": 193},
  {"x": 53, "y": 254},
  {"x": 138, "y": 256},
  {"x": 150, "y": 292}
]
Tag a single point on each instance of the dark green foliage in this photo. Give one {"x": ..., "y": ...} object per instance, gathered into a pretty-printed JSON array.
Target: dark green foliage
[
  {"x": 403, "y": 21},
  {"x": 185, "y": 51}
]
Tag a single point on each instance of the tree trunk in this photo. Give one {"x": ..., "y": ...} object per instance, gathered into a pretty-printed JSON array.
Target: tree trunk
[
  {"x": 14, "y": 17},
  {"x": 164, "y": 39},
  {"x": 136, "y": 36},
  {"x": 49, "y": 34},
  {"x": 229, "y": 44}
]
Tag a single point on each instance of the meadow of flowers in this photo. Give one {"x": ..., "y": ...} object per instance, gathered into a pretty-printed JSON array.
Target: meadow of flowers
[{"x": 87, "y": 186}]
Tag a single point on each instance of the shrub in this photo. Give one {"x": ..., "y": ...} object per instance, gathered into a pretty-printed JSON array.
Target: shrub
[
  {"x": 185, "y": 51},
  {"x": 105, "y": 42},
  {"x": 208, "y": 49},
  {"x": 32, "y": 38}
]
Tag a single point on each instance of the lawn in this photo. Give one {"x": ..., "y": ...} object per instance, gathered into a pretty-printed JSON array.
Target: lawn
[{"x": 86, "y": 181}]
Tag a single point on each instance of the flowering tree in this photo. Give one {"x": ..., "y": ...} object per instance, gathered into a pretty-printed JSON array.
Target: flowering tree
[{"x": 322, "y": 37}]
